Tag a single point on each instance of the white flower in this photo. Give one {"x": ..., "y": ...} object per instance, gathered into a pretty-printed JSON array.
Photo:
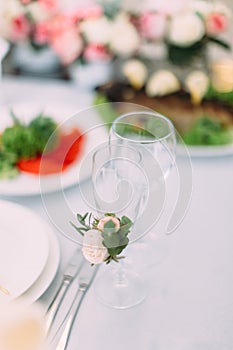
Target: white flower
[
  {"x": 37, "y": 11},
  {"x": 162, "y": 83},
  {"x": 186, "y": 29},
  {"x": 93, "y": 249},
  {"x": 136, "y": 73},
  {"x": 205, "y": 8},
  {"x": 12, "y": 8},
  {"x": 202, "y": 7},
  {"x": 124, "y": 39},
  {"x": 197, "y": 84},
  {"x": 96, "y": 30}
]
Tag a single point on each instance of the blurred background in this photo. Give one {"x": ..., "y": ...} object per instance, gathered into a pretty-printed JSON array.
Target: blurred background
[{"x": 172, "y": 56}]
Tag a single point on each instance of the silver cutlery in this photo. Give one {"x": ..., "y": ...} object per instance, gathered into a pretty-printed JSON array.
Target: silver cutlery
[
  {"x": 87, "y": 275},
  {"x": 74, "y": 266}
]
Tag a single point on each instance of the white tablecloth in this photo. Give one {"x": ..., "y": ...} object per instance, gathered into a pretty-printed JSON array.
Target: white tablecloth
[{"x": 190, "y": 301}]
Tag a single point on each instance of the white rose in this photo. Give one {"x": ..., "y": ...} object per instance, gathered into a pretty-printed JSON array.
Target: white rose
[
  {"x": 162, "y": 83},
  {"x": 186, "y": 29},
  {"x": 37, "y": 11},
  {"x": 136, "y": 73},
  {"x": 204, "y": 8},
  {"x": 197, "y": 84},
  {"x": 93, "y": 249},
  {"x": 96, "y": 30},
  {"x": 124, "y": 39},
  {"x": 12, "y": 8}
]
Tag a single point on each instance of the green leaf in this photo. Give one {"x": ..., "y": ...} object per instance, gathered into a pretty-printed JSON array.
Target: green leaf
[
  {"x": 117, "y": 250},
  {"x": 125, "y": 220},
  {"x": 220, "y": 42},
  {"x": 112, "y": 241},
  {"x": 80, "y": 230},
  {"x": 109, "y": 224}
]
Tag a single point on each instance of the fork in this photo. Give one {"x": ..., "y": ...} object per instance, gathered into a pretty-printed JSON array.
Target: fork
[{"x": 87, "y": 276}]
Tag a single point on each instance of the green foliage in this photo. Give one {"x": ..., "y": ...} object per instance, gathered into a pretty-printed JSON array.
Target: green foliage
[
  {"x": 183, "y": 55},
  {"x": 42, "y": 127},
  {"x": 114, "y": 239},
  {"x": 207, "y": 131},
  {"x": 19, "y": 141},
  {"x": 225, "y": 97}
]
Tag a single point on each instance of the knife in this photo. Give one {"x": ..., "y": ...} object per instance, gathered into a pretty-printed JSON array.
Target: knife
[
  {"x": 86, "y": 278},
  {"x": 74, "y": 266}
]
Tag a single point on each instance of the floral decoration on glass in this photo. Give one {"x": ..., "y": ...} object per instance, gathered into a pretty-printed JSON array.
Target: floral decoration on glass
[{"x": 105, "y": 238}]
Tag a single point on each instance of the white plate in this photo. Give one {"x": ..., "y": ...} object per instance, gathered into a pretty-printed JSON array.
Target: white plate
[
  {"x": 86, "y": 121},
  {"x": 48, "y": 274},
  {"x": 24, "y": 249},
  {"x": 205, "y": 151}
]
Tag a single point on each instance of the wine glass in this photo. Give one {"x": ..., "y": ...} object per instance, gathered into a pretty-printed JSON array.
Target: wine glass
[
  {"x": 155, "y": 134},
  {"x": 119, "y": 186}
]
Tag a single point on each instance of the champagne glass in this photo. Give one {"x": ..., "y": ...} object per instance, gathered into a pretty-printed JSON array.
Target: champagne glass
[
  {"x": 119, "y": 187},
  {"x": 155, "y": 134}
]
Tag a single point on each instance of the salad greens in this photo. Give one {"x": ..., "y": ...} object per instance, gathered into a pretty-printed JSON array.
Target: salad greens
[
  {"x": 23, "y": 141},
  {"x": 207, "y": 131}
]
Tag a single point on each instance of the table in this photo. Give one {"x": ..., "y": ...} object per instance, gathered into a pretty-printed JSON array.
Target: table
[{"x": 190, "y": 301}]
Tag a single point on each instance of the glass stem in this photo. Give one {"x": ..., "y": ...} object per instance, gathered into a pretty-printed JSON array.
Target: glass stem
[{"x": 120, "y": 278}]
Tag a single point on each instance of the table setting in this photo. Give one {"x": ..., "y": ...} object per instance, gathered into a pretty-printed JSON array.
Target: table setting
[
  {"x": 115, "y": 192},
  {"x": 194, "y": 270}
]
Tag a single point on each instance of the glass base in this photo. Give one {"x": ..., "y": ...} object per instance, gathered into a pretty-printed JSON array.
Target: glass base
[{"x": 120, "y": 288}]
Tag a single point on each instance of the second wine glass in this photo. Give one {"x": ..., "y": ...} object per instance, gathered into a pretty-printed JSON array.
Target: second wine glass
[{"x": 155, "y": 135}]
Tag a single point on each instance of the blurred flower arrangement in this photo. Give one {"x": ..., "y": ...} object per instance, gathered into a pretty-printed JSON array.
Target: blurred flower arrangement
[{"x": 102, "y": 32}]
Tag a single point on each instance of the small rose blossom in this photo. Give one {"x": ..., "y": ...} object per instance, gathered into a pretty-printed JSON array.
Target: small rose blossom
[
  {"x": 125, "y": 40},
  {"x": 153, "y": 25},
  {"x": 96, "y": 53},
  {"x": 96, "y": 31},
  {"x": 186, "y": 29},
  {"x": 20, "y": 28},
  {"x": 67, "y": 45},
  {"x": 93, "y": 248},
  {"x": 216, "y": 23},
  {"x": 106, "y": 219}
]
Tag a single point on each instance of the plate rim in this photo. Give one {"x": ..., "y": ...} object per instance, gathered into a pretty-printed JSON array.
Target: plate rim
[
  {"x": 33, "y": 293},
  {"x": 12, "y": 207}
]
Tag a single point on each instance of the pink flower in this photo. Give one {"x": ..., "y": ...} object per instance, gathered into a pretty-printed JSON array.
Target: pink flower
[
  {"x": 95, "y": 52},
  {"x": 20, "y": 28},
  {"x": 103, "y": 221},
  {"x": 48, "y": 5},
  {"x": 153, "y": 25},
  {"x": 216, "y": 23},
  {"x": 42, "y": 33},
  {"x": 25, "y": 2},
  {"x": 68, "y": 45},
  {"x": 59, "y": 24},
  {"x": 91, "y": 12}
]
